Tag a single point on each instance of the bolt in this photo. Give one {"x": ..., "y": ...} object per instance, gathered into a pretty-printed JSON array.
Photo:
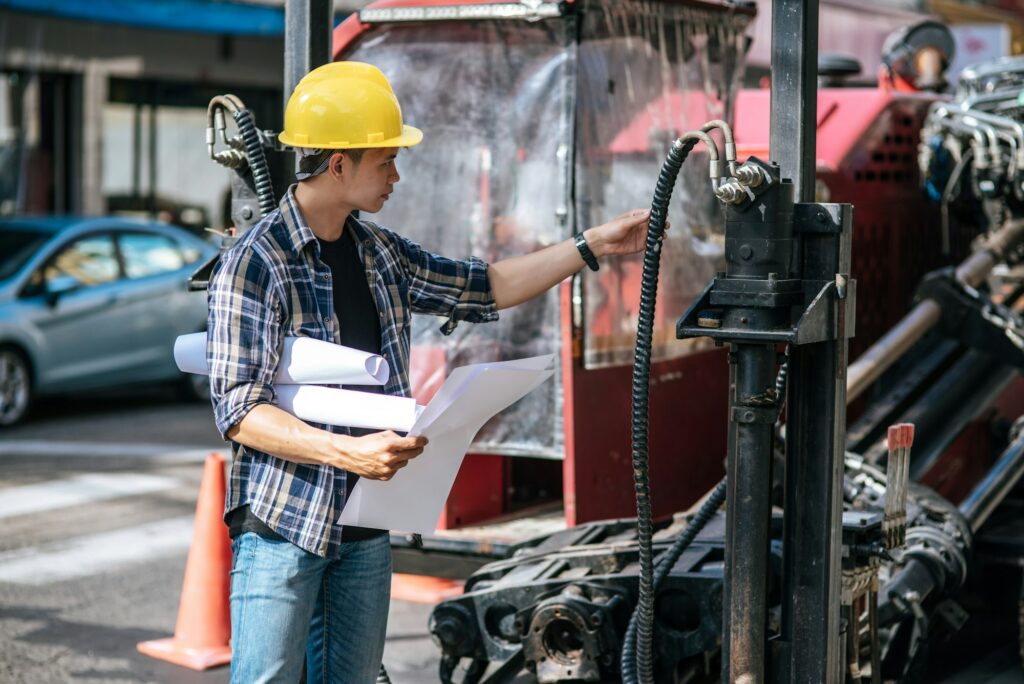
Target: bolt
[
  {"x": 246, "y": 213},
  {"x": 748, "y": 416},
  {"x": 596, "y": 619},
  {"x": 746, "y": 252},
  {"x": 709, "y": 319},
  {"x": 821, "y": 216}
]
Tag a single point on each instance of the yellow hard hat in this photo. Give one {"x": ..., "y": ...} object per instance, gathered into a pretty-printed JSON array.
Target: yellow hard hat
[{"x": 346, "y": 105}]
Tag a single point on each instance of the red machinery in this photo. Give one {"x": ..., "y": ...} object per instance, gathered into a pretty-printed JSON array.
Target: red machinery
[
  {"x": 867, "y": 155},
  {"x": 554, "y": 161}
]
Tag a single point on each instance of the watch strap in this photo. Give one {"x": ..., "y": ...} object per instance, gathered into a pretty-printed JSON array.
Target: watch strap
[{"x": 584, "y": 249}]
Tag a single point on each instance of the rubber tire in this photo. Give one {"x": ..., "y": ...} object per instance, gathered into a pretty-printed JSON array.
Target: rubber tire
[{"x": 16, "y": 391}]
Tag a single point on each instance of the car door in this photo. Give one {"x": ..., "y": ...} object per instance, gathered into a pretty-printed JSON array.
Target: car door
[
  {"x": 151, "y": 301},
  {"x": 72, "y": 301}
]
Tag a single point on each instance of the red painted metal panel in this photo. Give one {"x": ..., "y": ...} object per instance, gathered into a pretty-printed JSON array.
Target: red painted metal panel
[
  {"x": 478, "y": 493},
  {"x": 688, "y": 409}
]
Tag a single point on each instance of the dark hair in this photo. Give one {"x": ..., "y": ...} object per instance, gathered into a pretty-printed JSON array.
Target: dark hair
[
  {"x": 311, "y": 164},
  {"x": 355, "y": 155}
]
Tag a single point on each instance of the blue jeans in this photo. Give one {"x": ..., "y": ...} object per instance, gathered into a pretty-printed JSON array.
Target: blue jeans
[{"x": 288, "y": 604}]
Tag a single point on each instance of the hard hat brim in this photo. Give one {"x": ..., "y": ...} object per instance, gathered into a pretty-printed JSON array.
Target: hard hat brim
[{"x": 409, "y": 137}]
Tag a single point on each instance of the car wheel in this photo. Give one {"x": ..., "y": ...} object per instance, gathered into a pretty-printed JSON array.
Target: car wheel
[
  {"x": 15, "y": 387},
  {"x": 194, "y": 387}
]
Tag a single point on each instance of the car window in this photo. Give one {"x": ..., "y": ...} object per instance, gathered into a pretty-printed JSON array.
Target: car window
[
  {"x": 146, "y": 254},
  {"x": 16, "y": 248},
  {"x": 90, "y": 261}
]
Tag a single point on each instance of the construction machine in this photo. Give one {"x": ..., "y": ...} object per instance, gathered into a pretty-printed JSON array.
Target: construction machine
[{"x": 861, "y": 501}]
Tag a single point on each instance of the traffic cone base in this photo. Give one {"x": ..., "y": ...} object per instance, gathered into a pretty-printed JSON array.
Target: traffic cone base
[
  {"x": 202, "y": 635},
  {"x": 423, "y": 588},
  {"x": 194, "y": 658}
]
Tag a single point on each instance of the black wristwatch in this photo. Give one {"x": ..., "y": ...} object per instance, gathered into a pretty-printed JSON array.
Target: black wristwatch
[{"x": 588, "y": 256}]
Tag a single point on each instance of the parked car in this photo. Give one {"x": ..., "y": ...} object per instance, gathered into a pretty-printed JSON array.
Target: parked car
[{"x": 93, "y": 303}]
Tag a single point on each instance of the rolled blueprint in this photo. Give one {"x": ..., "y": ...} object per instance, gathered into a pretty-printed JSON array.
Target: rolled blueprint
[
  {"x": 348, "y": 408},
  {"x": 304, "y": 361}
]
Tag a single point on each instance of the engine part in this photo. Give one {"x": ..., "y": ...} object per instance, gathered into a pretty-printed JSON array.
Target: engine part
[
  {"x": 560, "y": 608},
  {"x": 928, "y": 313},
  {"x": 984, "y": 126}
]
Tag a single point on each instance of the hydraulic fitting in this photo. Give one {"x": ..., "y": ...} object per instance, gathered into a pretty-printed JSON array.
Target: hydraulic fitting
[
  {"x": 731, "y": 193},
  {"x": 750, "y": 175}
]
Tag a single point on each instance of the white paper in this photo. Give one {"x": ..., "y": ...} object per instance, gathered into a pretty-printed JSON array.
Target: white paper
[
  {"x": 304, "y": 361},
  {"x": 347, "y": 408},
  {"x": 413, "y": 499}
]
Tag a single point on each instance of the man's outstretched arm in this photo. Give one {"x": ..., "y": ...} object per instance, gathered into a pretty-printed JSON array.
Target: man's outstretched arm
[{"x": 515, "y": 280}]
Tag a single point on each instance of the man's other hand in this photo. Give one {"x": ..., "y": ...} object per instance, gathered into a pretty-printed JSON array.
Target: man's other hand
[{"x": 380, "y": 455}]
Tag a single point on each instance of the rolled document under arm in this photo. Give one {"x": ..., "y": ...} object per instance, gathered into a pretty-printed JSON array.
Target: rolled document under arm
[
  {"x": 347, "y": 408},
  {"x": 304, "y": 361}
]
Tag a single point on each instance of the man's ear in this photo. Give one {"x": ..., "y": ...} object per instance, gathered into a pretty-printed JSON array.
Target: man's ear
[{"x": 337, "y": 165}]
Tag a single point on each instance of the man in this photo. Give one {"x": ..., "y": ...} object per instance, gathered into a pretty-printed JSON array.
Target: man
[{"x": 311, "y": 268}]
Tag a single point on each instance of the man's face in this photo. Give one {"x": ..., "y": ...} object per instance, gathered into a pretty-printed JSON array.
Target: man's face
[{"x": 369, "y": 183}]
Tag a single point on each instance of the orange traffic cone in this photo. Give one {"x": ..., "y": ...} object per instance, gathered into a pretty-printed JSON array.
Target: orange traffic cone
[{"x": 203, "y": 631}]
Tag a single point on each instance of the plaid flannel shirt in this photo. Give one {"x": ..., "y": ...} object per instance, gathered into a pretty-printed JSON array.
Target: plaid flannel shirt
[{"x": 272, "y": 285}]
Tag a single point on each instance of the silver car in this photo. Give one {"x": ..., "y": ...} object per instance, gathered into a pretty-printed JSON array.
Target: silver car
[{"x": 93, "y": 303}]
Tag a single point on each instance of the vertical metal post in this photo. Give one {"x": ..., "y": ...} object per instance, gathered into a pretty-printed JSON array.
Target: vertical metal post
[
  {"x": 751, "y": 428},
  {"x": 810, "y": 648},
  {"x": 795, "y": 92},
  {"x": 307, "y": 39}
]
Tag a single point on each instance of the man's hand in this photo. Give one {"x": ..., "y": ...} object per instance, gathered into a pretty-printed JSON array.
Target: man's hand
[
  {"x": 624, "y": 234},
  {"x": 517, "y": 279},
  {"x": 380, "y": 455}
]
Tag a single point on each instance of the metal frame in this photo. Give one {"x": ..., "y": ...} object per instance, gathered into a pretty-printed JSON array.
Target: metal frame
[{"x": 809, "y": 645}]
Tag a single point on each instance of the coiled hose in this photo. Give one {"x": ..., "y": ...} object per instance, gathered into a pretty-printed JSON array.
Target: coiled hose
[
  {"x": 665, "y": 565},
  {"x": 637, "y": 657},
  {"x": 257, "y": 160}
]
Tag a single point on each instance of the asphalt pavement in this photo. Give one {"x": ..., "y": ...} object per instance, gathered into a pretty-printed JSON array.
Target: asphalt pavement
[{"x": 97, "y": 497}]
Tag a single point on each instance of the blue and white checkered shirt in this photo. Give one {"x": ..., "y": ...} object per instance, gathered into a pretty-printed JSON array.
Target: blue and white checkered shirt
[{"x": 272, "y": 285}]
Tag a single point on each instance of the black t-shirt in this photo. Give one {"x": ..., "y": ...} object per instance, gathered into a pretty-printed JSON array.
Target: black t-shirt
[
  {"x": 353, "y": 301},
  {"x": 360, "y": 329}
]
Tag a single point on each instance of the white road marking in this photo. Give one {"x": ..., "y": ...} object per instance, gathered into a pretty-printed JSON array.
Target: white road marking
[
  {"x": 162, "y": 452},
  {"x": 95, "y": 554},
  {"x": 78, "y": 490}
]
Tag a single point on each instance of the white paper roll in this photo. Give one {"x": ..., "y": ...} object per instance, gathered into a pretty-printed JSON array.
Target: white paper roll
[
  {"x": 304, "y": 361},
  {"x": 348, "y": 408}
]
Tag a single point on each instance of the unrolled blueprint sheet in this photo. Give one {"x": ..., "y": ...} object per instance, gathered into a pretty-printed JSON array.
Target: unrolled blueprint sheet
[{"x": 412, "y": 500}]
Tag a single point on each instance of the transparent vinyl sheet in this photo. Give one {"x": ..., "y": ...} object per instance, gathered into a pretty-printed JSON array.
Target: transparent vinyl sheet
[
  {"x": 490, "y": 179},
  {"x": 649, "y": 72},
  {"x": 535, "y": 130}
]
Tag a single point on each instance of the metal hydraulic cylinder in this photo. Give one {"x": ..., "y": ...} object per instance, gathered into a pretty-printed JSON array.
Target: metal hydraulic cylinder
[
  {"x": 756, "y": 295},
  {"x": 751, "y": 428}
]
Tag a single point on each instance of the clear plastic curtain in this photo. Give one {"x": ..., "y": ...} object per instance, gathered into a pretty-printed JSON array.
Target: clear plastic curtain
[
  {"x": 491, "y": 179},
  {"x": 647, "y": 73}
]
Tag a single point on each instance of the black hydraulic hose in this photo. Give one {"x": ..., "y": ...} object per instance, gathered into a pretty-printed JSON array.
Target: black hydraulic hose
[
  {"x": 257, "y": 160},
  {"x": 642, "y": 663},
  {"x": 665, "y": 565}
]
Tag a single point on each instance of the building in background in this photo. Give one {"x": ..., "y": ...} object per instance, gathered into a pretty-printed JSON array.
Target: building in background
[{"x": 103, "y": 103}]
